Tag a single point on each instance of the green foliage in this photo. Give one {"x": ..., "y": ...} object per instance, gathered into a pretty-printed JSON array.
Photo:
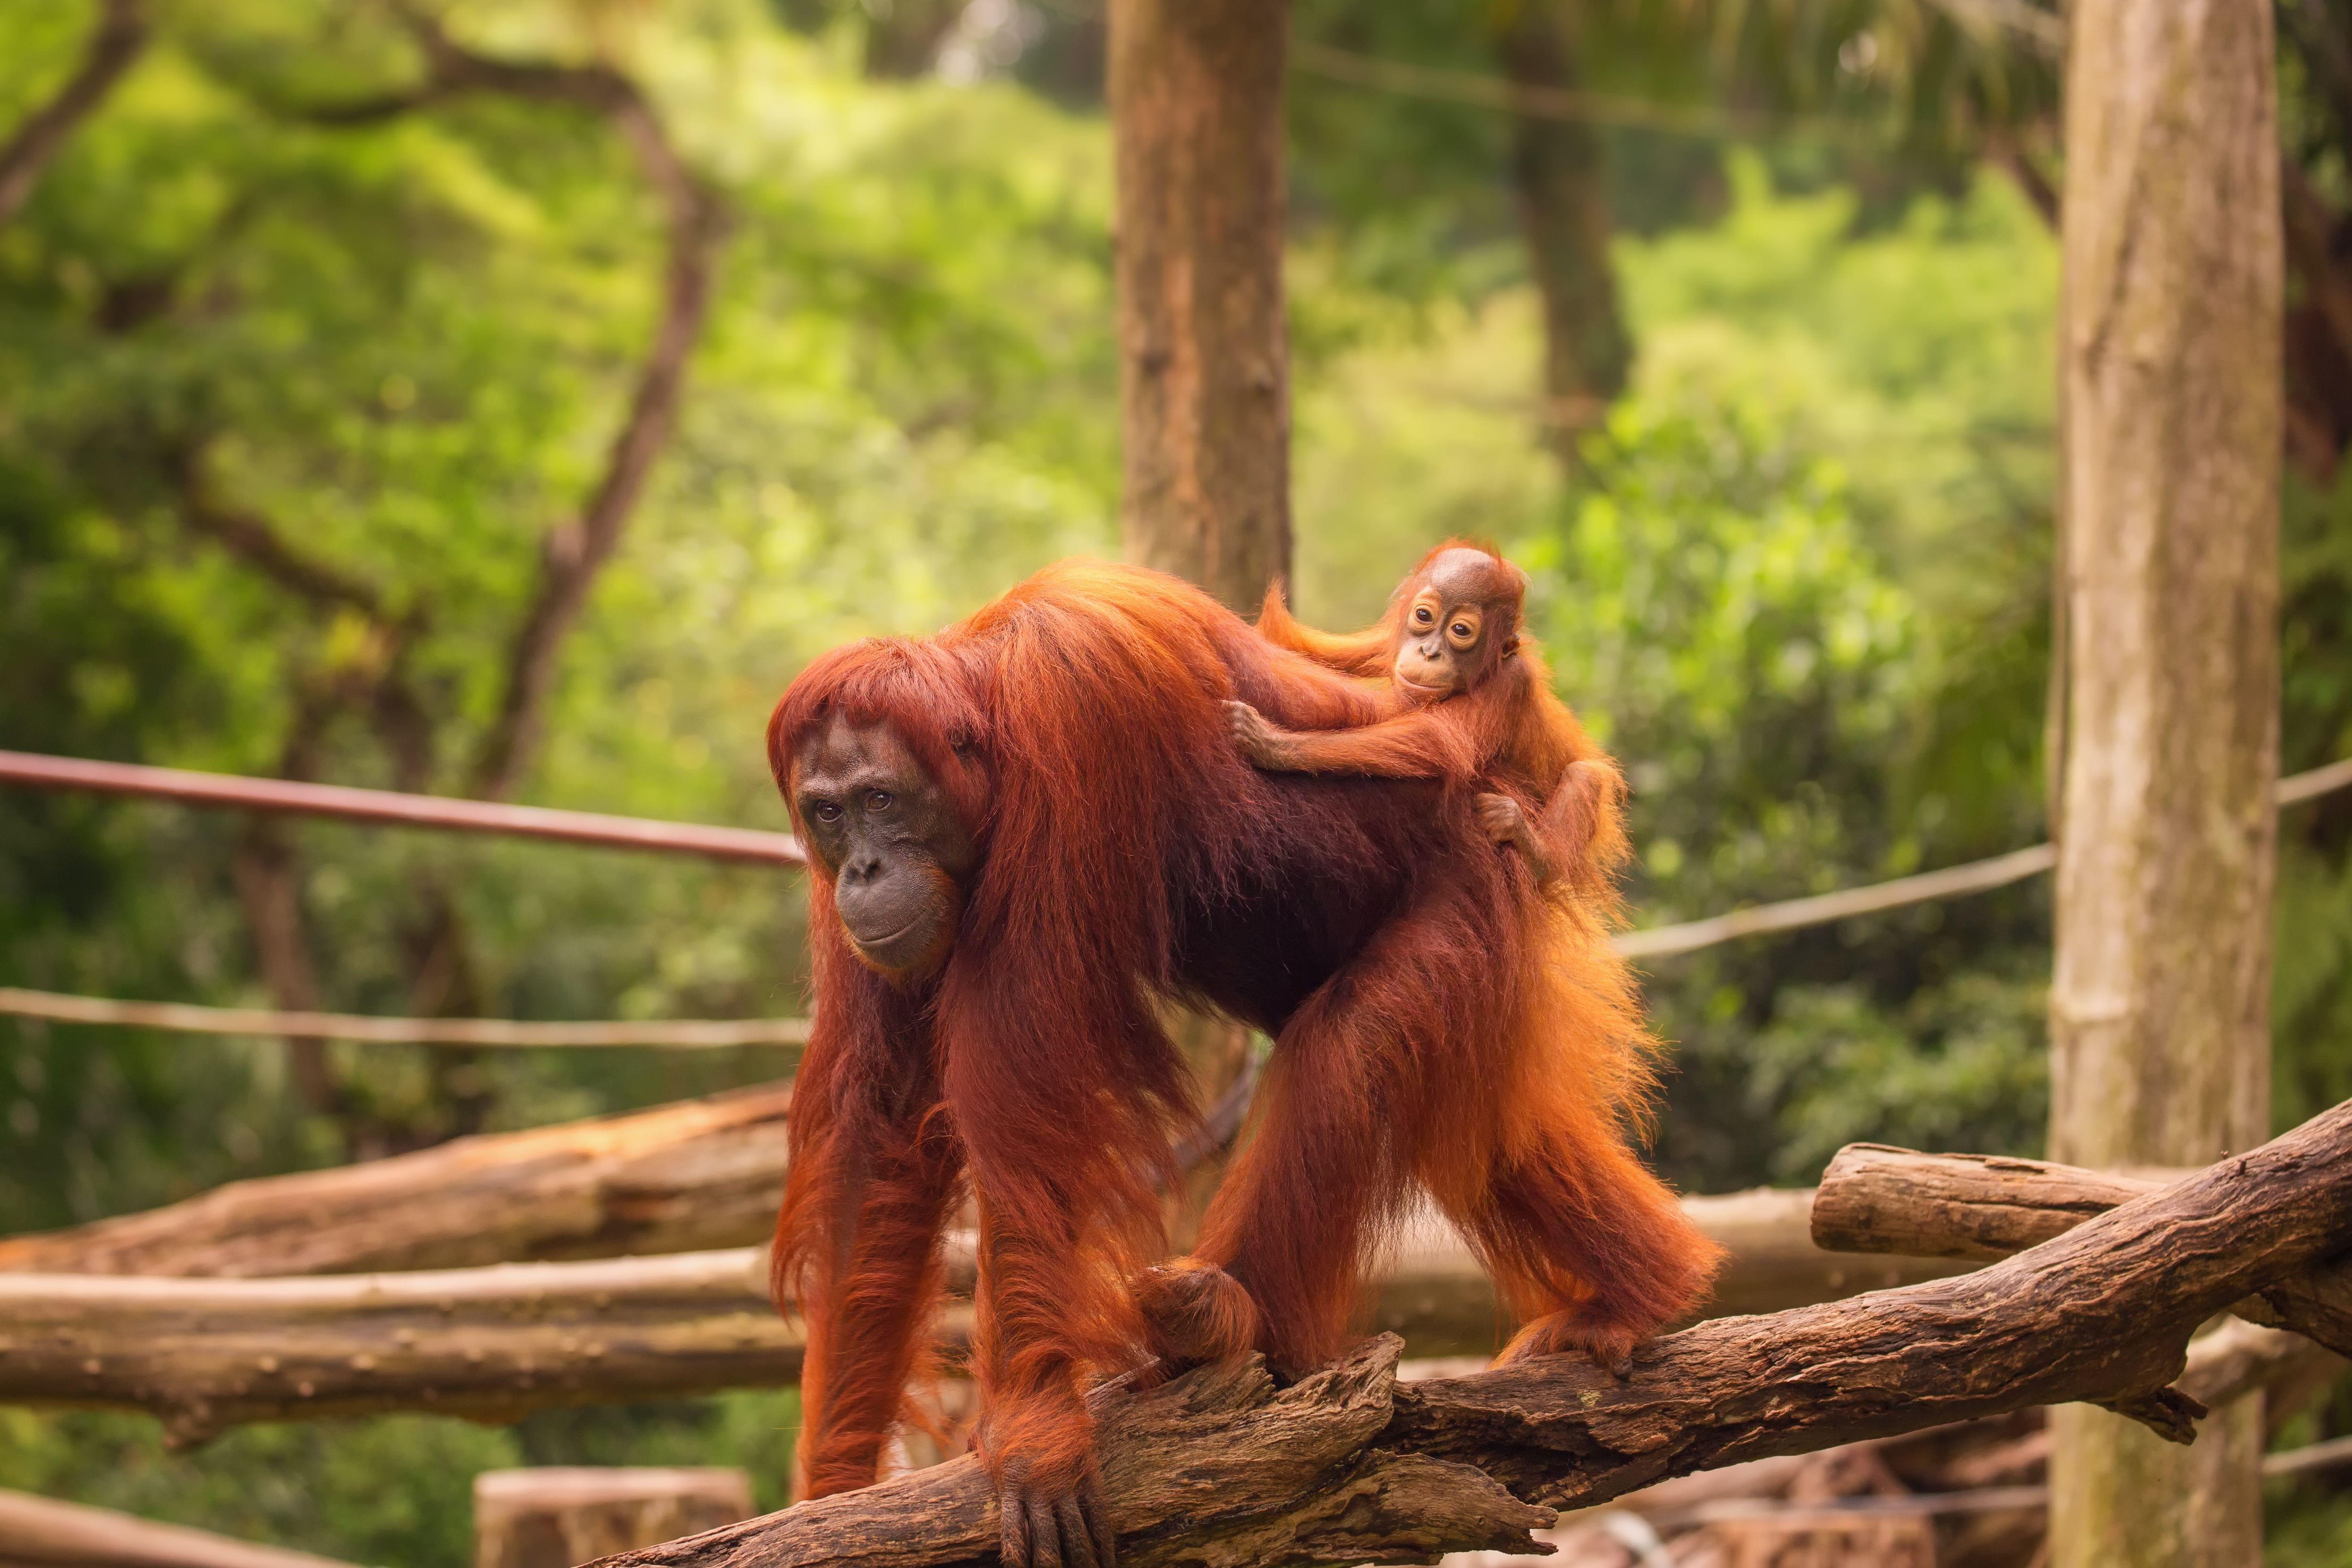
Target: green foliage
[
  {"x": 1800, "y": 583},
  {"x": 403, "y": 347}
]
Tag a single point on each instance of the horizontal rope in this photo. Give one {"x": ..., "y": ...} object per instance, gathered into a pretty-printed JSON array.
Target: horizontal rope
[
  {"x": 778, "y": 848},
  {"x": 673, "y": 1034},
  {"x": 393, "y": 808},
  {"x": 1952, "y": 881}
]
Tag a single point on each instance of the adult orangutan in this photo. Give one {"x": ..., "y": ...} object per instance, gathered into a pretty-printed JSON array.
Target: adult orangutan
[
  {"x": 1470, "y": 702},
  {"x": 1028, "y": 831}
]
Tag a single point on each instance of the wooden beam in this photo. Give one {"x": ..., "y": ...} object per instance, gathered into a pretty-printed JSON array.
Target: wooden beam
[
  {"x": 495, "y": 1342},
  {"x": 491, "y": 1343},
  {"x": 40, "y": 1532},
  {"x": 681, "y": 1178}
]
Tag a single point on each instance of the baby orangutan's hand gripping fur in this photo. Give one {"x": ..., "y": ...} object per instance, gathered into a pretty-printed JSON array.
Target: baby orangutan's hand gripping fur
[
  {"x": 1470, "y": 703},
  {"x": 1024, "y": 834}
]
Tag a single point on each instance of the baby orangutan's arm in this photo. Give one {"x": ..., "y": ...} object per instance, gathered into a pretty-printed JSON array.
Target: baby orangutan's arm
[
  {"x": 1424, "y": 744},
  {"x": 1564, "y": 841},
  {"x": 1508, "y": 826}
]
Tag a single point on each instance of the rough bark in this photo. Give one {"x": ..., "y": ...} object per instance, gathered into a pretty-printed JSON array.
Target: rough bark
[
  {"x": 491, "y": 1343},
  {"x": 556, "y": 1516},
  {"x": 1218, "y": 1469},
  {"x": 705, "y": 1174},
  {"x": 1204, "y": 378},
  {"x": 2171, "y": 350},
  {"x": 503, "y": 1340},
  {"x": 1877, "y": 1199},
  {"x": 115, "y": 46},
  {"x": 1349, "y": 1466},
  {"x": 1561, "y": 181},
  {"x": 681, "y": 1178},
  {"x": 39, "y": 1532}
]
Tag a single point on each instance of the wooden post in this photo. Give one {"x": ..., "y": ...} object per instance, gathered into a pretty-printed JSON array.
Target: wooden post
[
  {"x": 2158, "y": 1008},
  {"x": 1204, "y": 376},
  {"x": 559, "y": 1517}
]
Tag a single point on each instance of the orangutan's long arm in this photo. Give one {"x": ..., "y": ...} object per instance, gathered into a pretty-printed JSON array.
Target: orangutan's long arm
[{"x": 1426, "y": 743}]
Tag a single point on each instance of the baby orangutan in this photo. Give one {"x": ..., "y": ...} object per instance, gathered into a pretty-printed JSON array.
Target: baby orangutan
[{"x": 1471, "y": 704}]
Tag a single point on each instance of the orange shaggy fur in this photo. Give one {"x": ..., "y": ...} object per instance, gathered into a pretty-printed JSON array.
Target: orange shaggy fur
[
  {"x": 1509, "y": 733},
  {"x": 1438, "y": 1022}
]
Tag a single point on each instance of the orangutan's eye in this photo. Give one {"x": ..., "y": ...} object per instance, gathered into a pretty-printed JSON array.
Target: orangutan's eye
[
  {"x": 879, "y": 801},
  {"x": 826, "y": 811}
]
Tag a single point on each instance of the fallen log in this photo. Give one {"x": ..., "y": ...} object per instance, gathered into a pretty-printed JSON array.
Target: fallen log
[
  {"x": 707, "y": 1173},
  {"x": 682, "y": 1178},
  {"x": 491, "y": 1343},
  {"x": 495, "y": 1342},
  {"x": 1874, "y": 1198},
  {"x": 40, "y": 1532},
  {"x": 1349, "y": 1466}
]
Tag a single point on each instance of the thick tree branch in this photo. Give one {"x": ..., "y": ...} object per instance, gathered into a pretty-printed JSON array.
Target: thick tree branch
[
  {"x": 1349, "y": 1466},
  {"x": 1219, "y": 1466},
  {"x": 493, "y": 1343},
  {"x": 1877, "y": 1199},
  {"x": 705, "y": 1173},
  {"x": 115, "y": 45},
  {"x": 181, "y": 1355}
]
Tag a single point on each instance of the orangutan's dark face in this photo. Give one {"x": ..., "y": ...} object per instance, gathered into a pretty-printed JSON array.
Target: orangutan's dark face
[{"x": 885, "y": 833}]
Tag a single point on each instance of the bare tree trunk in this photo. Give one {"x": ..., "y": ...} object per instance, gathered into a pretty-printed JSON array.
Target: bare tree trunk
[
  {"x": 1204, "y": 378},
  {"x": 1556, "y": 166},
  {"x": 115, "y": 45},
  {"x": 2159, "y": 1028}
]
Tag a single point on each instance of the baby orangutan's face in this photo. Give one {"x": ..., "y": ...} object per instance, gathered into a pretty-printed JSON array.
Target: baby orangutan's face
[{"x": 1460, "y": 622}]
